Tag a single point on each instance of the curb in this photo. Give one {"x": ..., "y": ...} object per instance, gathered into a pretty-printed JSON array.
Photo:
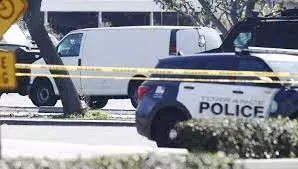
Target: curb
[
  {"x": 266, "y": 163},
  {"x": 53, "y": 110},
  {"x": 50, "y": 122},
  {"x": 14, "y": 148}
]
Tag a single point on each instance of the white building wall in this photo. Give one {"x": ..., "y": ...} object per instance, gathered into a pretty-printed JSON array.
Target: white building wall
[{"x": 102, "y": 5}]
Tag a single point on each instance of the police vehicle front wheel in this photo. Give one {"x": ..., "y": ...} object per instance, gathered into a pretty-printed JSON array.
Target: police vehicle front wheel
[{"x": 164, "y": 131}]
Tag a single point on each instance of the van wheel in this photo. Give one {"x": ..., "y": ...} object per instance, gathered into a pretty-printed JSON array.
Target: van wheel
[
  {"x": 164, "y": 132},
  {"x": 133, "y": 92},
  {"x": 96, "y": 102},
  {"x": 42, "y": 94}
]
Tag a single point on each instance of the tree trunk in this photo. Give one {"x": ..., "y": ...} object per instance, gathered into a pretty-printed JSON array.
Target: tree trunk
[
  {"x": 67, "y": 91},
  {"x": 234, "y": 14},
  {"x": 213, "y": 18}
]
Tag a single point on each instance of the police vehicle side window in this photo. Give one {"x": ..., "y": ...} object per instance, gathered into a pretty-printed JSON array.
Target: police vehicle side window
[
  {"x": 244, "y": 39},
  {"x": 241, "y": 34},
  {"x": 219, "y": 63},
  {"x": 253, "y": 64},
  {"x": 280, "y": 34}
]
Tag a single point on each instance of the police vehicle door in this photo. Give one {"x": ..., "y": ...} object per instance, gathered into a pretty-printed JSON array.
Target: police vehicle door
[
  {"x": 254, "y": 99},
  {"x": 211, "y": 99}
]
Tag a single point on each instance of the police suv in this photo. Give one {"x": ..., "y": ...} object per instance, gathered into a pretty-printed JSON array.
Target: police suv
[{"x": 163, "y": 103}]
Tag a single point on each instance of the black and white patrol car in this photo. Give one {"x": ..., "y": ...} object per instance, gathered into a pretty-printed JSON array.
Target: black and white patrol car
[{"x": 163, "y": 103}]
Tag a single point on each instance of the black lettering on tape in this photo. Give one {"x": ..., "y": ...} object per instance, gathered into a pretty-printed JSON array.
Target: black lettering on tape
[
  {"x": 259, "y": 110},
  {"x": 243, "y": 111},
  {"x": 203, "y": 106},
  {"x": 218, "y": 107}
]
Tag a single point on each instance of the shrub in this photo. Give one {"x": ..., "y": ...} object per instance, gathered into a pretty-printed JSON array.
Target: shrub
[
  {"x": 149, "y": 161},
  {"x": 248, "y": 138}
]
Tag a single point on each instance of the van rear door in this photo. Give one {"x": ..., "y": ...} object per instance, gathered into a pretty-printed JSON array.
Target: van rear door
[{"x": 188, "y": 42}]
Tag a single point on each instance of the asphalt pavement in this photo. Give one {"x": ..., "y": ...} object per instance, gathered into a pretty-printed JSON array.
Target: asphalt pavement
[
  {"x": 24, "y": 135},
  {"x": 15, "y": 100},
  {"x": 90, "y": 135},
  {"x": 18, "y": 110},
  {"x": 71, "y": 141}
]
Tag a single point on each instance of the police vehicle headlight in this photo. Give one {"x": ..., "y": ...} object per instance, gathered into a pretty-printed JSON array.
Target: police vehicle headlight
[{"x": 273, "y": 107}]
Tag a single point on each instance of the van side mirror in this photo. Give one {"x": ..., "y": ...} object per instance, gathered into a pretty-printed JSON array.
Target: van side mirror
[
  {"x": 180, "y": 53},
  {"x": 202, "y": 41}
]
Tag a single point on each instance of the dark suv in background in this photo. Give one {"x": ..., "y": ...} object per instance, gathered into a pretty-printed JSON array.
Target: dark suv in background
[
  {"x": 272, "y": 31},
  {"x": 26, "y": 51}
]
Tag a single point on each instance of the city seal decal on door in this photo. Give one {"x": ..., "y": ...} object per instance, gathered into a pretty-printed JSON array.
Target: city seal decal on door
[
  {"x": 226, "y": 106},
  {"x": 159, "y": 92}
]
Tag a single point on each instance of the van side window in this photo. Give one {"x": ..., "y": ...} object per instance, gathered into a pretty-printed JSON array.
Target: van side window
[{"x": 70, "y": 46}]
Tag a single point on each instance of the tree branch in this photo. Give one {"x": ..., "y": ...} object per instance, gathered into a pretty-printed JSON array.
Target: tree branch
[{"x": 213, "y": 18}]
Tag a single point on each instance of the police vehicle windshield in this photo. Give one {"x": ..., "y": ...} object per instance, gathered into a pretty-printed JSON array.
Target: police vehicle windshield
[{"x": 282, "y": 63}]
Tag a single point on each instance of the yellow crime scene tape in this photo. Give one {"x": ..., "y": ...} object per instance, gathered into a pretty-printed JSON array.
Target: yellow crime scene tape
[
  {"x": 153, "y": 78},
  {"x": 158, "y": 71}
]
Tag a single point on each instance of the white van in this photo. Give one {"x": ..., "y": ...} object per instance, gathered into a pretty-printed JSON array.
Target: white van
[{"x": 138, "y": 46}]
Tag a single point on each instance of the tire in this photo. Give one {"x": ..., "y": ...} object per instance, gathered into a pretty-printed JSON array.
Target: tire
[
  {"x": 23, "y": 86},
  {"x": 42, "y": 94},
  {"x": 96, "y": 102},
  {"x": 294, "y": 116},
  {"x": 133, "y": 92},
  {"x": 164, "y": 127}
]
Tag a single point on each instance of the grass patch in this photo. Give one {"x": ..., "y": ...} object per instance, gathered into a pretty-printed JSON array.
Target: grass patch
[{"x": 89, "y": 115}]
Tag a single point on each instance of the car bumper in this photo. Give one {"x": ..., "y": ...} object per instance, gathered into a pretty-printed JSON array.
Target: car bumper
[
  {"x": 143, "y": 125},
  {"x": 146, "y": 113}
]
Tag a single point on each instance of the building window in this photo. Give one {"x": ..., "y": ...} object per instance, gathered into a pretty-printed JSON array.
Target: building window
[
  {"x": 126, "y": 18},
  {"x": 169, "y": 18},
  {"x": 64, "y": 22}
]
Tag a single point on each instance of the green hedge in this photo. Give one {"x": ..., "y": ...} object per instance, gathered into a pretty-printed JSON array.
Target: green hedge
[
  {"x": 150, "y": 161},
  {"x": 247, "y": 138}
]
